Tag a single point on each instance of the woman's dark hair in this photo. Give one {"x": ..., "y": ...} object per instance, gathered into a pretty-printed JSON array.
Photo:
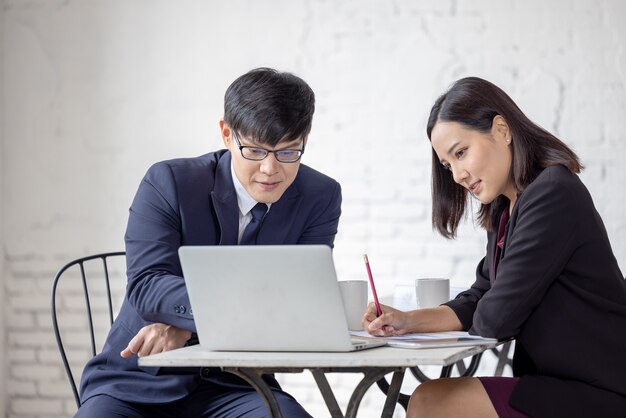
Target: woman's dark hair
[
  {"x": 473, "y": 103},
  {"x": 268, "y": 106}
]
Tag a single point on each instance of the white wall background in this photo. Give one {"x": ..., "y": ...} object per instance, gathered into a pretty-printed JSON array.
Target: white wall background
[{"x": 93, "y": 92}]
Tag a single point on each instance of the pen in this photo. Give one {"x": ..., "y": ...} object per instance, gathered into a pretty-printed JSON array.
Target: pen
[{"x": 379, "y": 311}]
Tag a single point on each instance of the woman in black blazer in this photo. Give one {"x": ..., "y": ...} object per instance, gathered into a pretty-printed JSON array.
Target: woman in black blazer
[{"x": 549, "y": 278}]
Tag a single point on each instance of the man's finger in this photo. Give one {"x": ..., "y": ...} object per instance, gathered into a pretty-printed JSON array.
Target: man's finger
[
  {"x": 132, "y": 347},
  {"x": 126, "y": 353}
]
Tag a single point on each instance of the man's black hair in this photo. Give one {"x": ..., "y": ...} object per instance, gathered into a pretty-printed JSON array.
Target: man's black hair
[{"x": 268, "y": 107}]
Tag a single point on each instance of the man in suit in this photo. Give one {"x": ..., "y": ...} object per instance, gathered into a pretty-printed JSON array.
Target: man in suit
[{"x": 255, "y": 191}]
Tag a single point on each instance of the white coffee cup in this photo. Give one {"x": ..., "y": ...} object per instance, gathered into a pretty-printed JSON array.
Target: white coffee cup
[
  {"x": 354, "y": 297},
  {"x": 431, "y": 292}
]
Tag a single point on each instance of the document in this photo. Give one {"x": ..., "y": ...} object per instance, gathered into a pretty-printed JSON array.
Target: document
[{"x": 429, "y": 339}]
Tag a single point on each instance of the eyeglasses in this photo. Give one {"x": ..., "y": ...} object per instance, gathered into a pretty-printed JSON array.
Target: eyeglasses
[{"x": 258, "y": 154}]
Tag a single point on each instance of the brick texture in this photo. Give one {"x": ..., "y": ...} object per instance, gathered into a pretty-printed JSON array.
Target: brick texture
[{"x": 94, "y": 92}]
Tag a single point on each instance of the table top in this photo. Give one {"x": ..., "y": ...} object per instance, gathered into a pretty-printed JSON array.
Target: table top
[{"x": 197, "y": 356}]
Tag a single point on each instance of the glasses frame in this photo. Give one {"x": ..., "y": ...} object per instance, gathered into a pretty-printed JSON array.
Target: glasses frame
[{"x": 267, "y": 152}]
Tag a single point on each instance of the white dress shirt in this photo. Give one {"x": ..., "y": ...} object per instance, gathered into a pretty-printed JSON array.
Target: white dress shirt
[{"x": 245, "y": 203}]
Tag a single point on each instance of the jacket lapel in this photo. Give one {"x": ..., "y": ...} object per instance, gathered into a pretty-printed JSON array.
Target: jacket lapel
[
  {"x": 224, "y": 200},
  {"x": 280, "y": 218},
  {"x": 491, "y": 249},
  {"x": 493, "y": 241},
  {"x": 276, "y": 224}
]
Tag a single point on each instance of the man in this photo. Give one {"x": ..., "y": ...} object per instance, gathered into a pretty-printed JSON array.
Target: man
[{"x": 219, "y": 198}]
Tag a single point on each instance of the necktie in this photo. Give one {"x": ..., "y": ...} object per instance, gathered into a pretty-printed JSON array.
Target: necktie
[{"x": 252, "y": 230}]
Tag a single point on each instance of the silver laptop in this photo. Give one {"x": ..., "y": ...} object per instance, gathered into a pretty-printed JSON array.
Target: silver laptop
[{"x": 267, "y": 298}]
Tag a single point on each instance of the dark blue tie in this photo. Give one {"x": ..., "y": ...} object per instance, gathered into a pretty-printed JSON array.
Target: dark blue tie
[{"x": 252, "y": 230}]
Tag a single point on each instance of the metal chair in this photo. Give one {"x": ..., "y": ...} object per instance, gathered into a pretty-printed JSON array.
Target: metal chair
[{"x": 100, "y": 303}]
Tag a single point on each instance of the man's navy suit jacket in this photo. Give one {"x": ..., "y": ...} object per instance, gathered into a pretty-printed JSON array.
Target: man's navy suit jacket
[{"x": 192, "y": 201}]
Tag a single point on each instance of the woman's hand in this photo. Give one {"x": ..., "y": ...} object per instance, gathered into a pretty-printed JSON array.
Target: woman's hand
[
  {"x": 156, "y": 338},
  {"x": 394, "y": 322},
  {"x": 391, "y": 323}
]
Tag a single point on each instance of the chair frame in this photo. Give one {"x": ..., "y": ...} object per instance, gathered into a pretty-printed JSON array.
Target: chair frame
[{"x": 80, "y": 262}]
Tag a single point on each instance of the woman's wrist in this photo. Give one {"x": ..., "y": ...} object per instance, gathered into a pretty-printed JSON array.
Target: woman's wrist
[{"x": 441, "y": 318}]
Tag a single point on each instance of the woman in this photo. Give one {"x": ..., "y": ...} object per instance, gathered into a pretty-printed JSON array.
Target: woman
[{"x": 549, "y": 278}]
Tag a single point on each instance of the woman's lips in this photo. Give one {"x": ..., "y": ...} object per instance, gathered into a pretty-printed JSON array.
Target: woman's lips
[{"x": 475, "y": 187}]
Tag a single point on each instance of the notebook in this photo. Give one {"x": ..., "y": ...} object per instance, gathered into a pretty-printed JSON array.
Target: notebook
[
  {"x": 267, "y": 298},
  {"x": 431, "y": 339}
]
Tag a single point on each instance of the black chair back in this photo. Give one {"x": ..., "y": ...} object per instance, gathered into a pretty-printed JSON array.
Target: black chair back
[{"x": 84, "y": 305}]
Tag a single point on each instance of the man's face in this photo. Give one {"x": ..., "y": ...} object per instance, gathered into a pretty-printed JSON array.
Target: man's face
[{"x": 265, "y": 180}]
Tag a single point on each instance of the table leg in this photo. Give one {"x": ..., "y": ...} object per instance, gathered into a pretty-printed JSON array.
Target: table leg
[
  {"x": 419, "y": 374},
  {"x": 393, "y": 394},
  {"x": 370, "y": 376},
  {"x": 255, "y": 378},
  {"x": 473, "y": 366},
  {"x": 403, "y": 399},
  {"x": 446, "y": 371},
  {"x": 503, "y": 358},
  {"x": 327, "y": 393}
]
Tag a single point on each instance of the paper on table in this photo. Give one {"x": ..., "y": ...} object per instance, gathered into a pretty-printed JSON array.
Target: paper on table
[{"x": 429, "y": 339}]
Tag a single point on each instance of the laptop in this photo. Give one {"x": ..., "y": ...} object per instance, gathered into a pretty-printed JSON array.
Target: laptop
[{"x": 267, "y": 298}]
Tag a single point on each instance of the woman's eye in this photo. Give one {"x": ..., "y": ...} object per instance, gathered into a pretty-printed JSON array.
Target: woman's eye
[{"x": 460, "y": 153}]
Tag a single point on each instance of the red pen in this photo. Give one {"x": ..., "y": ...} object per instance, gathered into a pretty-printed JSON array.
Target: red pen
[{"x": 379, "y": 311}]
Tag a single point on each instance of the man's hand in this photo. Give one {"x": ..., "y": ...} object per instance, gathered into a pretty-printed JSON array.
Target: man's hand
[{"x": 156, "y": 338}]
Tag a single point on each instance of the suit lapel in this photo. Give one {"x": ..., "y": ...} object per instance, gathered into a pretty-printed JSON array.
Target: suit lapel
[
  {"x": 491, "y": 249},
  {"x": 280, "y": 218},
  {"x": 491, "y": 246},
  {"x": 224, "y": 200},
  {"x": 276, "y": 224}
]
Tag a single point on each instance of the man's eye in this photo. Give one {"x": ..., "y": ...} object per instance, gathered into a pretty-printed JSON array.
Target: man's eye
[
  {"x": 256, "y": 151},
  {"x": 288, "y": 153}
]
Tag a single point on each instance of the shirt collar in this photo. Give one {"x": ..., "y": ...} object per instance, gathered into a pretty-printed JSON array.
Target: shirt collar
[{"x": 244, "y": 200}]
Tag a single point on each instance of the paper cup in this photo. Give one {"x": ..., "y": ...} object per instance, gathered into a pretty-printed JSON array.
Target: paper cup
[
  {"x": 354, "y": 297},
  {"x": 431, "y": 292}
]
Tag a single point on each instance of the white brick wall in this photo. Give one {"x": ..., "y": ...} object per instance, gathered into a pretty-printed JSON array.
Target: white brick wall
[
  {"x": 94, "y": 92},
  {"x": 4, "y": 361}
]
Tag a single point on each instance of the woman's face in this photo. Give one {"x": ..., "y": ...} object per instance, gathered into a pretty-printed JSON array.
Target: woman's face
[{"x": 479, "y": 162}]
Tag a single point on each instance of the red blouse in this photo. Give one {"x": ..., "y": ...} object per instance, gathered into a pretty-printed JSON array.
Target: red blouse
[{"x": 500, "y": 244}]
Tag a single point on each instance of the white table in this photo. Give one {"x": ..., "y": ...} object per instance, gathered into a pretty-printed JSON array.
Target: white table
[{"x": 374, "y": 363}]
